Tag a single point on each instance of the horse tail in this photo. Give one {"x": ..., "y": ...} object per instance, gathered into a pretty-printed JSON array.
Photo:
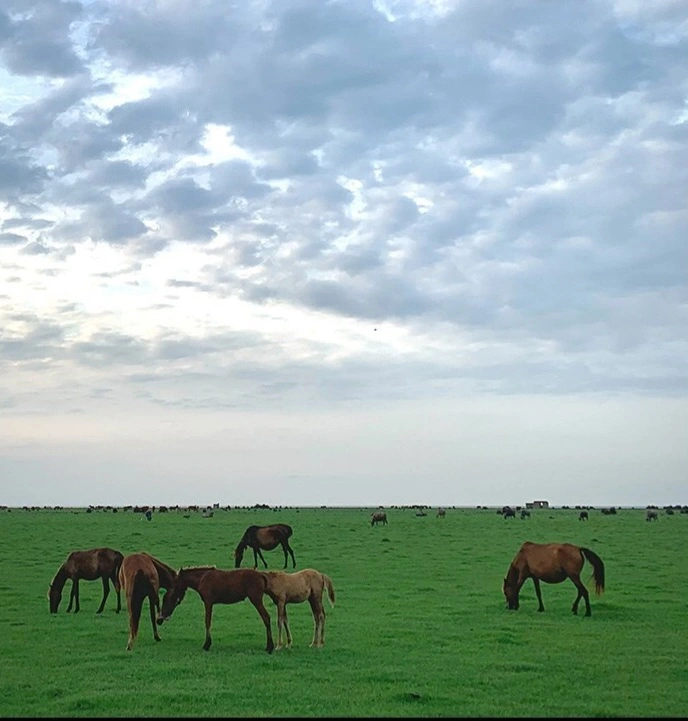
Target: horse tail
[
  {"x": 597, "y": 569},
  {"x": 330, "y": 588}
]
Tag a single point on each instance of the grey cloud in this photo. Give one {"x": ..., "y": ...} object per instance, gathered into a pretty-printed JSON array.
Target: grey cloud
[
  {"x": 11, "y": 238},
  {"x": 39, "y": 43}
]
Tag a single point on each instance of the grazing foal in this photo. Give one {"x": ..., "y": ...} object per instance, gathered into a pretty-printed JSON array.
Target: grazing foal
[
  {"x": 552, "y": 563},
  {"x": 266, "y": 538},
  {"x": 141, "y": 576},
  {"x": 88, "y": 565},
  {"x": 214, "y": 585},
  {"x": 307, "y": 585}
]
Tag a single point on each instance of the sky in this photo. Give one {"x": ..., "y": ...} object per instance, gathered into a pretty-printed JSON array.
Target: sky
[{"x": 343, "y": 252}]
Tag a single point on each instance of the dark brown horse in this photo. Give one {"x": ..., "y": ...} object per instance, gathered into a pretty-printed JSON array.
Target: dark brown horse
[
  {"x": 307, "y": 585},
  {"x": 142, "y": 576},
  {"x": 214, "y": 585},
  {"x": 378, "y": 517},
  {"x": 552, "y": 563},
  {"x": 265, "y": 538},
  {"x": 88, "y": 565},
  {"x": 583, "y": 516}
]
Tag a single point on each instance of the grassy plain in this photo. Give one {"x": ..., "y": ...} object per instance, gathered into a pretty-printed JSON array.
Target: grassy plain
[{"x": 419, "y": 628}]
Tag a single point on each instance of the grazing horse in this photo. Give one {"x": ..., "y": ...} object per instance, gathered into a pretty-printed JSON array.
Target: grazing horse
[
  {"x": 552, "y": 563},
  {"x": 267, "y": 538},
  {"x": 142, "y": 576},
  {"x": 307, "y": 585},
  {"x": 441, "y": 512},
  {"x": 378, "y": 517},
  {"x": 214, "y": 585},
  {"x": 651, "y": 516},
  {"x": 88, "y": 565},
  {"x": 583, "y": 516}
]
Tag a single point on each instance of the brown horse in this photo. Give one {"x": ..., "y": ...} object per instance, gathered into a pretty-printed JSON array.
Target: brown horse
[
  {"x": 142, "y": 576},
  {"x": 266, "y": 538},
  {"x": 214, "y": 585},
  {"x": 307, "y": 585},
  {"x": 378, "y": 517},
  {"x": 552, "y": 563},
  {"x": 88, "y": 565}
]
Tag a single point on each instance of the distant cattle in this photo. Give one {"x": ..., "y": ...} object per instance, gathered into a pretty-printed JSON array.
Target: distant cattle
[
  {"x": 583, "y": 516},
  {"x": 651, "y": 516},
  {"x": 441, "y": 512},
  {"x": 524, "y": 514},
  {"x": 508, "y": 512}
]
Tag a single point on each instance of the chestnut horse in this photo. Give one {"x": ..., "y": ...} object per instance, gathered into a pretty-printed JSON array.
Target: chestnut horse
[
  {"x": 552, "y": 563},
  {"x": 307, "y": 585},
  {"x": 142, "y": 576},
  {"x": 88, "y": 565},
  {"x": 214, "y": 585},
  {"x": 267, "y": 538}
]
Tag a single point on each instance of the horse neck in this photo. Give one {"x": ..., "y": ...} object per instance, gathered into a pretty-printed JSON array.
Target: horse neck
[
  {"x": 60, "y": 578},
  {"x": 512, "y": 575},
  {"x": 191, "y": 577}
]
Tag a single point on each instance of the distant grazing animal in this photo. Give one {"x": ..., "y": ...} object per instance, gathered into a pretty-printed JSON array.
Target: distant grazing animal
[
  {"x": 651, "y": 516},
  {"x": 214, "y": 585},
  {"x": 552, "y": 563},
  {"x": 583, "y": 516},
  {"x": 441, "y": 512},
  {"x": 378, "y": 517},
  {"x": 524, "y": 514},
  {"x": 508, "y": 512},
  {"x": 266, "y": 538},
  {"x": 142, "y": 576},
  {"x": 88, "y": 565},
  {"x": 307, "y": 585}
]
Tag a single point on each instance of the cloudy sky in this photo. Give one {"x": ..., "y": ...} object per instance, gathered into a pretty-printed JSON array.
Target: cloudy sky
[{"x": 343, "y": 252}]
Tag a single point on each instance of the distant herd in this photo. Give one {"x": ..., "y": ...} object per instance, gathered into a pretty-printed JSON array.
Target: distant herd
[{"x": 142, "y": 575}]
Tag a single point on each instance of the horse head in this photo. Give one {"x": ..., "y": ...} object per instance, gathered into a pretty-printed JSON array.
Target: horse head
[
  {"x": 238, "y": 556},
  {"x": 172, "y": 598},
  {"x": 511, "y": 594},
  {"x": 54, "y": 596}
]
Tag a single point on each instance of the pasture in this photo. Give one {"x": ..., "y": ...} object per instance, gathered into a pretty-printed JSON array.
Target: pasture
[{"x": 420, "y": 626}]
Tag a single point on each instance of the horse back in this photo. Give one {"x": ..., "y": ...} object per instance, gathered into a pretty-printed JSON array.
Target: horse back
[
  {"x": 137, "y": 565},
  {"x": 222, "y": 586},
  {"x": 550, "y": 562}
]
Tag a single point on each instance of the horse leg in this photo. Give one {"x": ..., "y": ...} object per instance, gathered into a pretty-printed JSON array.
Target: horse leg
[
  {"x": 280, "y": 624},
  {"x": 106, "y": 592},
  {"x": 257, "y": 601},
  {"x": 582, "y": 593},
  {"x": 118, "y": 590},
  {"x": 135, "y": 603},
  {"x": 284, "y": 549},
  {"x": 318, "y": 621},
  {"x": 75, "y": 592},
  {"x": 208, "y": 620},
  {"x": 71, "y": 597},
  {"x": 154, "y": 603},
  {"x": 261, "y": 558},
  {"x": 536, "y": 583},
  {"x": 291, "y": 553}
]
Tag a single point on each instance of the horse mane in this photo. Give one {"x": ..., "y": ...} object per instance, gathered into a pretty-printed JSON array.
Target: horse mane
[
  {"x": 197, "y": 568},
  {"x": 246, "y": 539},
  {"x": 60, "y": 578}
]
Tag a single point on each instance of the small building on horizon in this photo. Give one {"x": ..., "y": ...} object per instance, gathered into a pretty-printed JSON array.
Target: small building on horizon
[{"x": 538, "y": 504}]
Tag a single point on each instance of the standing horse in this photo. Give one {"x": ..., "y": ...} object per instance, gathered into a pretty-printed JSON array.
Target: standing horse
[
  {"x": 307, "y": 585},
  {"x": 267, "y": 538},
  {"x": 141, "y": 576},
  {"x": 88, "y": 565},
  {"x": 583, "y": 516},
  {"x": 651, "y": 516},
  {"x": 508, "y": 512},
  {"x": 441, "y": 512},
  {"x": 214, "y": 585},
  {"x": 378, "y": 517},
  {"x": 552, "y": 563}
]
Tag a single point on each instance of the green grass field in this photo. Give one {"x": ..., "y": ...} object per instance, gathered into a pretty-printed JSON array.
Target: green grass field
[{"x": 420, "y": 626}]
